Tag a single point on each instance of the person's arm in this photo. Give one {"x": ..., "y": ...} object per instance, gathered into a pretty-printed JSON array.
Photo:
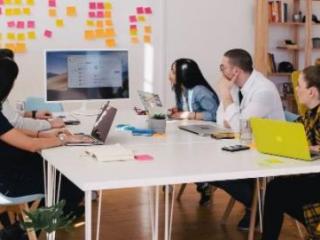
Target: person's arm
[
  {"x": 208, "y": 106},
  {"x": 38, "y": 114}
]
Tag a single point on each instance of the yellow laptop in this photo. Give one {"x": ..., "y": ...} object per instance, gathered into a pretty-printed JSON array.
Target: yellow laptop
[{"x": 282, "y": 138}]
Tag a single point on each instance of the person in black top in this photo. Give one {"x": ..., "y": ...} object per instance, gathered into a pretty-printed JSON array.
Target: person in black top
[{"x": 21, "y": 171}]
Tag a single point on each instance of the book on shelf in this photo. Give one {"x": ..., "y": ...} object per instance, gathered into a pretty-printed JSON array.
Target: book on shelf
[
  {"x": 278, "y": 11},
  {"x": 271, "y": 63}
]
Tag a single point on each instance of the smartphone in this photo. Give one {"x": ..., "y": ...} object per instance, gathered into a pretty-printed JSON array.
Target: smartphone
[
  {"x": 222, "y": 135},
  {"x": 235, "y": 148}
]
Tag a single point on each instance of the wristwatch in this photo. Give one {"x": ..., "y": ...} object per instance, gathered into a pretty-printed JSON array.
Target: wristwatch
[
  {"x": 33, "y": 114},
  {"x": 62, "y": 139}
]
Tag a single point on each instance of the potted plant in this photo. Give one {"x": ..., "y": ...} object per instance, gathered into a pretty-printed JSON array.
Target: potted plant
[{"x": 157, "y": 122}]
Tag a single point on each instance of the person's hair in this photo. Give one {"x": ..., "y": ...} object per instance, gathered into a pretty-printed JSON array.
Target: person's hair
[
  {"x": 240, "y": 58},
  {"x": 6, "y": 52},
  {"x": 188, "y": 74},
  {"x": 8, "y": 73},
  {"x": 312, "y": 76}
]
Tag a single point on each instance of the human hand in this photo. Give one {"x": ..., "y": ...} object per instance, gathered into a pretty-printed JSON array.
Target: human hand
[
  {"x": 54, "y": 132},
  {"x": 43, "y": 115},
  {"x": 77, "y": 139},
  {"x": 180, "y": 115},
  {"x": 56, "y": 123},
  {"x": 315, "y": 148}
]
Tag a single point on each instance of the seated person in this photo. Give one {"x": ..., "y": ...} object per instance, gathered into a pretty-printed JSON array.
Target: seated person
[
  {"x": 21, "y": 171},
  {"x": 290, "y": 194},
  {"x": 195, "y": 99},
  {"x": 36, "y": 120},
  {"x": 244, "y": 93}
]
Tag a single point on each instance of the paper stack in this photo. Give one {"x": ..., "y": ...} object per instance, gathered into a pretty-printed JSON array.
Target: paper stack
[{"x": 107, "y": 153}]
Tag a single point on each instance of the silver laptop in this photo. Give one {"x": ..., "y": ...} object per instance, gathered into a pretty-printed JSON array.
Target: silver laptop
[
  {"x": 202, "y": 129},
  {"x": 101, "y": 127},
  {"x": 149, "y": 100}
]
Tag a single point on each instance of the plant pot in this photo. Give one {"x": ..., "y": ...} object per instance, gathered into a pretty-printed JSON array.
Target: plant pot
[{"x": 157, "y": 125}]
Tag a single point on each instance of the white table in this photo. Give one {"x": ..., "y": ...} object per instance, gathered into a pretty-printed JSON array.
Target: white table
[{"x": 180, "y": 157}]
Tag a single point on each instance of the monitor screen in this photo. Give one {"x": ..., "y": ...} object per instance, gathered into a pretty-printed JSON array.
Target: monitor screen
[{"x": 86, "y": 74}]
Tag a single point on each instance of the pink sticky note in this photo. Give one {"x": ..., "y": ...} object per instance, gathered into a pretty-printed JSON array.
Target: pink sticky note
[
  {"x": 140, "y": 10},
  {"x": 92, "y": 14},
  {"x": 1, "y": 2},
  {"x": 47, "y": 33},
  {"x": 20, "y": 24},
  {"x": 31, "y": 24},
  {"x": 148, "y": 10},
  {"x": 92, "y": 5},
  {"x": 100, "y": 5},
  {"x": 100, "y": 14},
  {"x": 11, "y": 24},
  {"x": 52, "y": 3},
  {"x": 133, "y": 27},
  {"x": 143, "y": 157},
  {"x": 0, "y": 11},
  {"x": 133, "y": 19}
]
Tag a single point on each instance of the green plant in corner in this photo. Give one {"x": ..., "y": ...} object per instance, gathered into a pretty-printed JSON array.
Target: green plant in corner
[{"x": 48, "y": 219}]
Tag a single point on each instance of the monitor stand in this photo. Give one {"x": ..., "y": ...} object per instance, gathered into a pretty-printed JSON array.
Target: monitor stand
[{"x": 84, "y": 111}]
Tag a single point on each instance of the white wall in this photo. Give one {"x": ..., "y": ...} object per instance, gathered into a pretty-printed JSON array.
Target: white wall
[{"x": 202, "y": 30}]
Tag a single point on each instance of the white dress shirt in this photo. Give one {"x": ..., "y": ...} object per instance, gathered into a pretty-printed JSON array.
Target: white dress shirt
[
  {"x": 260, "y": 99},
  {"x": 18, "y": 121}
]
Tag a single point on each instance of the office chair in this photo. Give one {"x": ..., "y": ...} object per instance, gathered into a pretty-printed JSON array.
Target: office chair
[
  {"x": 38, "y": 103},
  {"x": 17, "y": 205}
]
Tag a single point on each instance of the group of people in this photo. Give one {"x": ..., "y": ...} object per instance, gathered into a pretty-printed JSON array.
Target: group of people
[{"x": 244, "y": 93}]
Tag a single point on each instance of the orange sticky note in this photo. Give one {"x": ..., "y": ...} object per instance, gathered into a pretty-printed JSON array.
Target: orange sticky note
[
  {"x": 133, "y": 32},
  {"x": 18, "y": 2},
  {"x": 21, "y": 37},
  {"x": 11, "y": 36},
  {"x": 31, "y": 35},
  {"x": 30, "y": 2},
  {"x": 147, "y": 39},
  {"x": 59, "y": 23},
  {"x": 134, "y": 40},
  {"x": 107, "y": 14},
  {"x": 52, "y": 12},
  {"x": 21, "y": 48},
  {"x": 100, "y": 33},
  {"x": 110, "y": 32},
  {"x": 141, "y": 19},
  {"x": 10, "y": 46},
  {"x": 89, "y": 35},
  {"x": 16, "y": 11},
  {"x": 90, "y": 23},
  {"x": 26, "y": 11},
  {"x": 148, "y": 29},
  {"x": 99, "y": 24},
  {"x": 109, "y": 23},
  {"x": 108, "y": 6},
  {"x": 71, "y": 11},
  {"x": 111, "y": 43}
]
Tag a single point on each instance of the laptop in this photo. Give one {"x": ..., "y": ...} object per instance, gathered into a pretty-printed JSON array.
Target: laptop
[
  {"x": 202, "y": 129},
  {"x": 150, "y": 100},
  {"x": 282, "y": 138},
  {"x": 101, "y": 127}
]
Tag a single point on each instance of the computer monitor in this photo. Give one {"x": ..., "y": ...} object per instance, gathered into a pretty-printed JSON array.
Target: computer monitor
[{"x": 86, "y": 75}]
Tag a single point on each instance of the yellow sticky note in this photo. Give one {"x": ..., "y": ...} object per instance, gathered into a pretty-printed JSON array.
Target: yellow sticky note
[
  {"x": 9, "y": 12},
  {"x": 21, "y": 48},
  {"x": 31, "y": 35},
  {"x": 107, "y": 14},
  {"x": 52, "y": 12},
  {"x": 90, "y": 23},
  {"x": 7, "y": 2},
  {"x": 21, "y": 37},
  {"x": 0, "y": 36},
  {"x": 108, "y": 6},
  {"x": 133, "y": 32},
  {"x": 111, "y": 43},
  {"x": 99, "y": 24},
  {"x": 11, "y": 36},
  {"x": 109, "y": 23},
  {"x": 10, "y": 46},
  {"x": 134, "y": 40},
  {"x": 141, "y": 19},
  {"x": 17, "y": 11},
  {"x": 89, "y": 35},
  {"x": 59, "y": 23},
  {"x": 148, "y": 29},
  {"x": 30, "y": 2},
  {"x": 99, "y": 33},
  {"x": 110, "y": 32},
  {"x": 147, "y": 39},
  {"x": 18, "y": 2},
  {"x": 71, "y": 11},
  {"x": 26, "y": 11}
]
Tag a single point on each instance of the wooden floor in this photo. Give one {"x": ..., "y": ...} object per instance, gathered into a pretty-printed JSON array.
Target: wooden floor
[{"x": 126, "y": 216}]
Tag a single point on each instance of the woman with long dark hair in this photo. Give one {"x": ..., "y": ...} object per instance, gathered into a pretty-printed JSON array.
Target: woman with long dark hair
[{"x": 195, "y": 98}]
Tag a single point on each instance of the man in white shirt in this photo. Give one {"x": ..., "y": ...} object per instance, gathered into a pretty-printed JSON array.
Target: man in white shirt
[{"x": 244, "y": 93}]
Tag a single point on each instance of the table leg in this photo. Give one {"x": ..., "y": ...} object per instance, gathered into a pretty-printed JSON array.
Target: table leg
[
  {"x": 99, "y": 215},
  {"x": 166, "y": 211},
  {"x": 253, "y": 215},
  {"x": 156, "y": 215},
  {"x": 88, "y": 215}
]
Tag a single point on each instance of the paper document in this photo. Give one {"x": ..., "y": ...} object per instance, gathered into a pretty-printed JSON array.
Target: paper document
[{"x": 107, "y": 153}]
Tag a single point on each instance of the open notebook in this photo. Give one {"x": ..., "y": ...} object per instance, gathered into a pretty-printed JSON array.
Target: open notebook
[{"x": 107, "y": 153}]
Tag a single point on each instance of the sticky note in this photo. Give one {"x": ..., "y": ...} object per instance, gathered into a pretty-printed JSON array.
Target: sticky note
[
  {"x": 108, "y": 6},
  {"x": 134, "y": 40},
  {"x": 111, "y": 43},
  {"x": 71, "y": 11},
  {"x": 89, "y": 35},
  {"x": 132, "y": 18},
  {"x": 59, "y": 23},
  {"x": 31, "y": 24},
  {"x": 9, "y": 12},
  {"x": 147, "y": 39},
  {"x": 107, "y": 14},
  {"x": 110, "y": 32},
  {"x": 1, "y": 2},
  {"x": 148, "y": 10},
  {"x": 141, "y": 19},
  {"x": 100, "y": 33},
  {"x": 109, "y": 23},
  {"x": 0, "y": 36},
  {"x": 31, "y": 35},
  {"x": 52, "y": 3},
  {"x": 47, "y": 34},
  {"x": 92, "y": 5},
  {"x": 148, "y": 29},
  {"x": 133, "y": 32},
  {"x": 30, "y": 2},
  {"x": 16, "y": 11},
  {"x": 52, "y": 12},
  {"x": 140, "y": 10},
  {"x": 20, "y": 48},
  {"x": 143, "y": 157},
  {"x": 133, "y": 27},
  {"x": 21, "y": 37},
  {"x": 7, "y": 2},
  {"x": 99, "y": 24},
  {"x": 90, "y": 23},
  {"x": 20, "y": 24},
  {"x": 18, "y": 2},
  {"x": 11, "y": 24},
  {"x": 10, "y": 46},
  {"x": 0, "y": 11},
  {"x": 26, "y": 11},
  {"x": 92, "y": 14},
  {"x": 100, "y": 5},
  {"x": 11, "y": 36},
  {"x": 100, "y": 14}
]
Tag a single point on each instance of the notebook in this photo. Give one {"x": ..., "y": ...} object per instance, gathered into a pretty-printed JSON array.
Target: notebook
[
  {"x": 108, "y": 153},
  {"x": 287, "y": 139}
]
